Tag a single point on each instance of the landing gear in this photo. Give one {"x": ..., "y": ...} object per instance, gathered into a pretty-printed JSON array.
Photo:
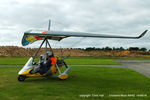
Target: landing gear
[{"x": 21, "y": 78}]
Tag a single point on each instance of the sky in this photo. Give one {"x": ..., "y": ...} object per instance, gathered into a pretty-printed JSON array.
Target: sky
[{"x": 119, "y": 17}]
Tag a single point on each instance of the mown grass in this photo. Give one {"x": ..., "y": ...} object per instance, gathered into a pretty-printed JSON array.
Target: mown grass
[
  {"x": 91, "y": 61},
  {"x": 82, "y": 80},
  {"x": 115, "y": 58},
  {"x": 13, "y": 60},
  {"x": 73, "y": 61}
]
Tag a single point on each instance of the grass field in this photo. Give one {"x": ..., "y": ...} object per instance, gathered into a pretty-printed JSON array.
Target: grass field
[
  {"x": 73, "y": 60},
  {"x": 82, "y": 80}
]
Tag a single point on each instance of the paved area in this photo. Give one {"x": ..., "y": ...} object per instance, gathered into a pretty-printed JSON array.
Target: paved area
[
  {"x": 141, "y": 66},
  {"x": 117, "y": 66},
  {"x": 11, "y": 65}
]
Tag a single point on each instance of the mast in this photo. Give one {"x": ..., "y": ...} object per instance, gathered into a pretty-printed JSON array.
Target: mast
[{"x": 49, "y": 25}]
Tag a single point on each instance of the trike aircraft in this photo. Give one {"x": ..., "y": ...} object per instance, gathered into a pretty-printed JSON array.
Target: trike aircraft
[{"x": 49, "y": 64}]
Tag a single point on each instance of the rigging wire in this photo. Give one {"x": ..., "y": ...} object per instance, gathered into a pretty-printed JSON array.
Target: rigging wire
[{"x": 73, "y": 45}]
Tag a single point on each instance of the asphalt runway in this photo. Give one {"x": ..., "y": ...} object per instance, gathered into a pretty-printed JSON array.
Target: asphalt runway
[{"x": 141, "y": 66}]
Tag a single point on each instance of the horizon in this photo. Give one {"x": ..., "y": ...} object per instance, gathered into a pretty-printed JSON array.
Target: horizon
[{"x": 94, "y": 48}]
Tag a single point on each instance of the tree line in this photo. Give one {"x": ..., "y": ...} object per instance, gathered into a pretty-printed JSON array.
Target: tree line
[{"x": 116, "y": 49}]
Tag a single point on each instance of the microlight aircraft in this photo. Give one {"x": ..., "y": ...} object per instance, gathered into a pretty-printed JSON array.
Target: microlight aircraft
[{"x": 33, "y": 69}]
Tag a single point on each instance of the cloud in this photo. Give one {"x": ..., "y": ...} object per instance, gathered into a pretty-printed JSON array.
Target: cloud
[{"x": 121, "y": 17}]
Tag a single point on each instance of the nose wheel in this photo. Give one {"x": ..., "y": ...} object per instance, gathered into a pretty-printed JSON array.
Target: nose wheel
[{"x": 21, "y": 78}]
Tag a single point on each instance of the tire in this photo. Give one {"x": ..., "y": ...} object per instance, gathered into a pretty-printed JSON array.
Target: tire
[{"x": 21, "y": 78}]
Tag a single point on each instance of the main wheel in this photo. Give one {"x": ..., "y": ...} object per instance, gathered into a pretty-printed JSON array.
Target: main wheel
[{"x": 21, "y": 78}]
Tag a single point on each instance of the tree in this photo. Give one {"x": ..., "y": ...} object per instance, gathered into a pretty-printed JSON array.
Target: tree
[
  {"x": 143, "y": 49},
  {"x": 133, "y": 49},
  {"x": 121, "y": 48},
  {"x": 107, "y": 48}
]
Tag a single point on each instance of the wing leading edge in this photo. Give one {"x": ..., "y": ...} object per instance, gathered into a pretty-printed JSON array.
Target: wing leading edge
[{"x": 34, "y": 35}]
